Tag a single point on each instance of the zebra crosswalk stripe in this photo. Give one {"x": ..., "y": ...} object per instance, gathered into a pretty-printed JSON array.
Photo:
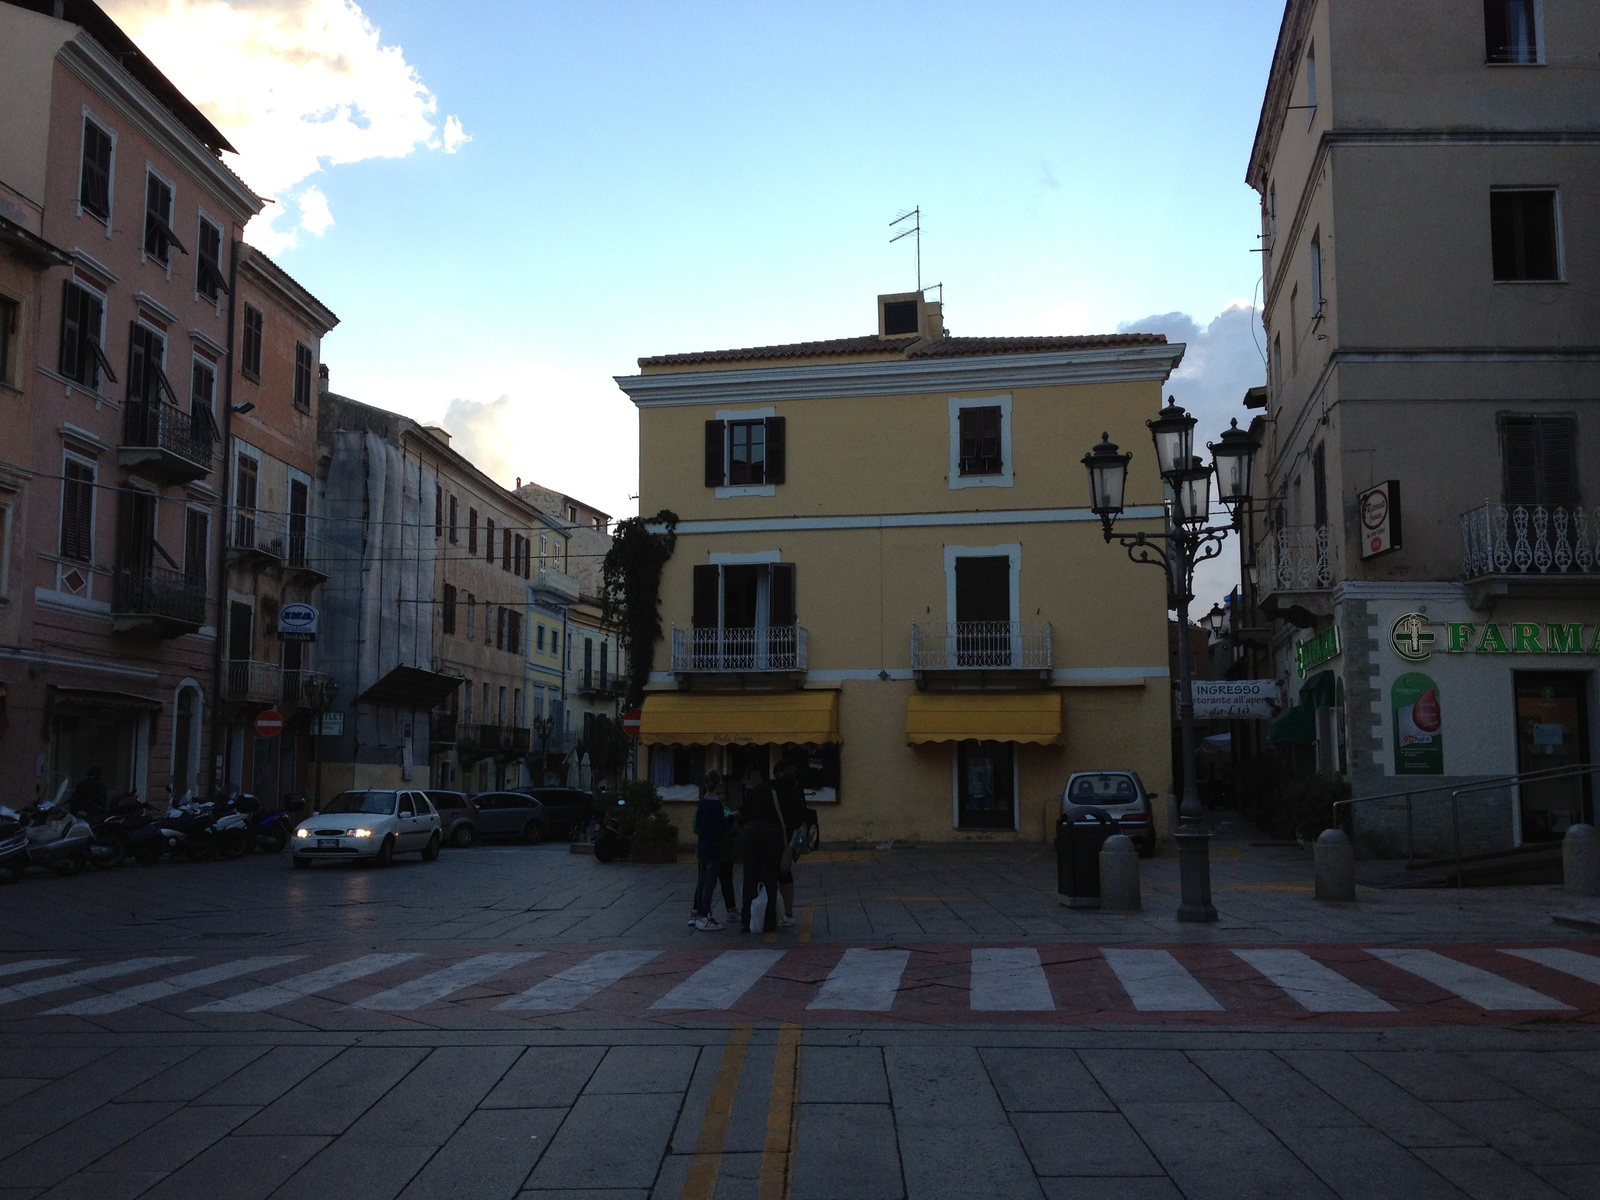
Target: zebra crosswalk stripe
[
  {"x": 863, "y": 981},
  {"x": 570, "y": 988},
  {"x": 1569, "y": 962},
  {"x": 1009, "y": 979},
  {"x": 1157, "y": 982},
  {"x": 143, "y": 993},
  {"x": 262, "y": 998},
  {"x": 1473, "y": 984},
  {"x": 31, "y": 964},
  {"x": 436, "y": 985},
  {"x": 72, "y": 979},
  {"x": 722, "y": 981},
  {"x": 1312, "y": 985}
]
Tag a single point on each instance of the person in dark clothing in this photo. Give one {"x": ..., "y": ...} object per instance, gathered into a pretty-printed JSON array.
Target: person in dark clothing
[
  {"x": 730, "y": 858},
  {"x": 712, "y": 822},
  {"x": 791, "y": 798},
  {"x": 90, "y": 794},
  {"x": 762, "y": 843}
]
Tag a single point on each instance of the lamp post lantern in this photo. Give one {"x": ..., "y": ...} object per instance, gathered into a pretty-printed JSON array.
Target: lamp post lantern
[
  {"x": 543, "y": 726},
  {"x": 1189, "y": 539}
]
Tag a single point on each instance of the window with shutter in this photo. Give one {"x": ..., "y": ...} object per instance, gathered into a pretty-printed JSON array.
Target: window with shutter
[
  {"x": 715, "y": 474},
  {"x": 303, "y": 369},
  {"x": 472, "y": 529},
  {"x": 777, "y": 449},
  {"x": 983, "y": 589},
  {"x": 250, "y": 356},
  {"x": 747, "y": 453},
  {"x": 505, "y": 550},
  {"x": 447, "y": 609},
  {"x": 196, "y": 543},
  {"x": 781, "y": 595},
  {"x": 707, "y": 588},
  {"x": 94, "y": 179},
  {"x": 209, "y": 280},
  {"x": 1539, "y": 459},
  {"x": 77, "y": 510},
  {"x": 82, "y": 358}
]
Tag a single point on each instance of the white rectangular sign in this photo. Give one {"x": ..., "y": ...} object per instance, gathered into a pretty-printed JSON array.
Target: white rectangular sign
[{"x": 1236, "y": 698}]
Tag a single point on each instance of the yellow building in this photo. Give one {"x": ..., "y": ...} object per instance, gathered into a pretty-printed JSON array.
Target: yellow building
[{"x": 885, "y": 556}]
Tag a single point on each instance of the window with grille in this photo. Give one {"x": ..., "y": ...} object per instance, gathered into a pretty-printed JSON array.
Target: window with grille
[
  {"x": 304, "y": 368},
  {"x": 1523, "y": 230},
  {"x": 77, "y": 510},
  {"x": 250, "y": 351},
  {"x": 83, "y": 358},
  {"x": 1539, "y": 459},
  {"x": 94, "y": 178},
  {"x": 1510, "y": 31}
]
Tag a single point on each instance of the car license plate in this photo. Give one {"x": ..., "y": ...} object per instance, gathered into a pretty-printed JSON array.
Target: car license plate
[{"x": 327, "y": 843}]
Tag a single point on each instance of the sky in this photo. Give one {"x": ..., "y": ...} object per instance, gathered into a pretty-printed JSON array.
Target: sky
[{"x": 508, "y": 202}]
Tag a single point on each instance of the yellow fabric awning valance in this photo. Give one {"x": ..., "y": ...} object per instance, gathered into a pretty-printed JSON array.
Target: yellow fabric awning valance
[
  {"x": 1009, "y": 717},
  {"x": 745, "y": 718}
]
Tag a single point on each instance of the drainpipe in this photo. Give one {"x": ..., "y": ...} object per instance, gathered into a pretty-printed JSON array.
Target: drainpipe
[{"x": 222, "y": 556}]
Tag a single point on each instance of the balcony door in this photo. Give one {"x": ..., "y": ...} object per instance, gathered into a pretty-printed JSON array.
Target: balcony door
[
  {"x": 983, "y": 632},
  {"x": 744, "y": 617},
  {"x": 136, "y": 549}
]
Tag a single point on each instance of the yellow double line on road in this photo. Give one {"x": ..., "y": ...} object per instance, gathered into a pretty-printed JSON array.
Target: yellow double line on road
[{"x": 778, "y": 1148}]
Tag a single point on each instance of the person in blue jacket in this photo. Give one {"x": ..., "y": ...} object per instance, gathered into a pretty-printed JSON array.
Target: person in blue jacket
[{"x": 712, "y": 823}]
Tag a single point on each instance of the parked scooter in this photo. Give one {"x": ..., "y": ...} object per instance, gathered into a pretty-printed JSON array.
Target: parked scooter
[
  {"x": 13, "y": 846},
  {"x": 122, "y": 833},
  {"x": 188, "y": 831},
  {"x": 56, "y": 838}
]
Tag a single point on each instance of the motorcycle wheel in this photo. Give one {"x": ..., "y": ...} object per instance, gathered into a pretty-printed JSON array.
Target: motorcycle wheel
[
  {"x": 116, "y": 851},
  {"x": 273, "y": 840},
  {"x": 200, "y": 846},
  {"x": 231, "y": 843},
  {"x": 609, "y": 846},
  {"x": 67, "y": 867}
]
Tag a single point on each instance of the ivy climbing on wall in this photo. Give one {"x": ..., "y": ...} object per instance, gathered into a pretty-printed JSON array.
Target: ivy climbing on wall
[{"x": 630, "y": 591}]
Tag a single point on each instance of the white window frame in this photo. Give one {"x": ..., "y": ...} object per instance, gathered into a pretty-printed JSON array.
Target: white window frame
[
  {"x": 196, "y": 725},
  {"x": 1001, "y": 478},
  {"x": 111, "y": 174},
  {"x": 955, "y": 792},
  {"x": 728, "y": 416},
  {"x": 1009, "y": 550},
  {"x": 63, "y": 564},
  {"x": 172, "y": 213},
  {"x": 77, "y": 279}
]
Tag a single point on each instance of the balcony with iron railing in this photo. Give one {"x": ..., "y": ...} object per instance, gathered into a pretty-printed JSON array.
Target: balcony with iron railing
[
  {"x": 1296, "y": 573},
  {"x": 157, "y": 601},
  {"x": 604, "y": 682},
  {"x": 304, "y": 689},
  {"x": 776, "y": 650},
  {"x": 162, "y": 439},
  {"x": 442, "y": 728},
  {"x": 250, "y": 682},
  {"x": 1003, "y": 652},
  {"x": 273, "y": 538},
  {"x": 1530, "y": 550}
]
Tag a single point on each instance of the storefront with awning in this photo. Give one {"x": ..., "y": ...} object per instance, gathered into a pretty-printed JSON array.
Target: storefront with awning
[
  {"x": 984, "y": 729},
  {"x": 688, "y": 733}
]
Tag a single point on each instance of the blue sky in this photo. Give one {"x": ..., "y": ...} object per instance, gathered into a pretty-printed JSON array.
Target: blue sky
[{"x": 651, "y": 177}]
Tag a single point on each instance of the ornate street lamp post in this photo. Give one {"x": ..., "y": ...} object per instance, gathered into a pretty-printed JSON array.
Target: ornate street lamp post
[
  {"x": 543, "y": 727},
  {"x": 1189, "y": 539}
]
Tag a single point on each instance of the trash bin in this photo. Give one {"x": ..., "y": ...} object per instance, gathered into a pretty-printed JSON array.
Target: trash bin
[{"x": 1080, "y": 833}]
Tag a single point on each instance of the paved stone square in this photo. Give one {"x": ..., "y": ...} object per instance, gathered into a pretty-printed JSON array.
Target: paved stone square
[{"x": 520, "y": 1021}]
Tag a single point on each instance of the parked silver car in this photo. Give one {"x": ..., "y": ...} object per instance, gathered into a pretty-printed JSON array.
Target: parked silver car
[
  {"x": 1119, "y": 794},
  {"x": 374, "y": 824}
]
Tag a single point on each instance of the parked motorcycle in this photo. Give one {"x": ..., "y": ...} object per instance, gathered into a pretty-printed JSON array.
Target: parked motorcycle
[
  {"x": 56, "y": 838},
  {"x": 117, "y": 831},
  {"x": 188, "y": 830},
  {"x": 271, "y": 829},
  {"x": 13, "y": 846}
]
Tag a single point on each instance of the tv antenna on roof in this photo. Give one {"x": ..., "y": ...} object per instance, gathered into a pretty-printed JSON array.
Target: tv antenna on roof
[{"x": 915, "y": 217}]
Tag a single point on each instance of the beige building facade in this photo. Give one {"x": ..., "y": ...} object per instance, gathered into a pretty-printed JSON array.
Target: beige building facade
[
  {"x": 1430, "y": 541},
  {"x": 886, "y": 570}
]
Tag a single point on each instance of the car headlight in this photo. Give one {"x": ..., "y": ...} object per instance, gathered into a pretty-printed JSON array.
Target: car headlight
[
  {"x": 358, "y": 833},
  {"x": 302, "y": 833}
]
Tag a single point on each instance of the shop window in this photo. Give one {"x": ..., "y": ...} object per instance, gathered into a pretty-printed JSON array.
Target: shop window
[
  {"x": 675, "y": 766},
  {"x": 986, "y": 791}
]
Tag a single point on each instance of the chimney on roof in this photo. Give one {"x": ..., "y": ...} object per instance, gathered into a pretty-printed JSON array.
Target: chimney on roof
[
  {"x": 909, "y": 314},
  {"x": 438, "y": 433}
]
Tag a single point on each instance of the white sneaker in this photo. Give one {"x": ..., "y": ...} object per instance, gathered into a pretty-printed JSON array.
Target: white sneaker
[
  {"x": 785, "y": 922},
  {"x": 709, "y": 923},
  {"x": 731, "y": 916},
  {"x": 693, "y": 920}
]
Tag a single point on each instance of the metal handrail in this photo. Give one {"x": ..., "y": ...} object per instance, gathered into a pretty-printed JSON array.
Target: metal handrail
[{"x": 1456, "y": 792}]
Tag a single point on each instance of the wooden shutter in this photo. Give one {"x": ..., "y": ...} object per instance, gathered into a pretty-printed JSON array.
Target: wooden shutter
[
  {"x": 706, "y": 587},
  {"x": 776, "y": 444},
  {"x": 196, "y": 533},
  {"x": 983, "y": 589},
  {"x": 77, "y": 511},
  {"x": 139, "y": 373},
  {"x": 715, "y": 471},
  {"x": 136, "y": 517},
  {"x": 1558, "y": 460},
  {"x": 71, "y": 334},
  {"x": 781, "y": 594},
  {"x": 1519, "y": 460}
]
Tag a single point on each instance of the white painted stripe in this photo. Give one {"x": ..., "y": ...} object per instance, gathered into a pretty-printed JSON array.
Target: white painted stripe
[
  {"x": 262, "y": 998},
  {"x": 934, "y": 520},
  {"x": 31, "y": 964},
  {"x": 143, "y": 993},
  {"x": 863, "y": 980},
  {"x": 1313, "y": 985},
  {"x": 576, "y": 984},
  {"x": 721, "y": 982},
  {"x": 1568, "y": 962},
  {"x": 1472, "y": 984},
  {"x": 1009, "y": 980},
  {"x": 436, "y": 985},
  {"x": 1157, "y": 982},
  {"x": 60, "y": 983}
]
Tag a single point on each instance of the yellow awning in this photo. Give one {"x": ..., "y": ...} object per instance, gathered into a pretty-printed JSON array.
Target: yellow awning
[
  {"x": 1008, "y": 717},
  {"x": 744, "y": 718}
]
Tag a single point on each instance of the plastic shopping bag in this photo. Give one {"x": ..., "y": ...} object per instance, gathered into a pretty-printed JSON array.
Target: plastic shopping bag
[{"x": 758, "y": 910}]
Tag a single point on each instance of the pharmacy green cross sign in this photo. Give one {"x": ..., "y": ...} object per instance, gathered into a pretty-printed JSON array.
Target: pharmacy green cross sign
[{"x": 1413, "y": 638}]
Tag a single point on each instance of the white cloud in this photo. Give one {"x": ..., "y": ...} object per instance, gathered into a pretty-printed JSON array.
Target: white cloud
[
  {"x": 1222, "y": 362},
  {"x": 297, "y": 86},
  {"x": 454, "y": 136}
]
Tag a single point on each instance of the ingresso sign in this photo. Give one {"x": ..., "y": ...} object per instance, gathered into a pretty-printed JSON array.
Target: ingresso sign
[
  {"x": 1236, "y": 699},
  {"x": 1413, "y": 637}
]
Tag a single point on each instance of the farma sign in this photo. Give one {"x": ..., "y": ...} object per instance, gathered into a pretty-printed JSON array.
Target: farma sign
[{"x": 1413, "y": 637}]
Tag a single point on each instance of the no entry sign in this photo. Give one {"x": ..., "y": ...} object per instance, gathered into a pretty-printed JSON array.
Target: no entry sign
[
  {"x": 269, "y": 723},
  {"x": 630, "y": 722}
]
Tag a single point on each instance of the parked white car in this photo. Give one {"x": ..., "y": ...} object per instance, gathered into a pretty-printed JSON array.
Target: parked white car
[{"x": 374, "y": 824}]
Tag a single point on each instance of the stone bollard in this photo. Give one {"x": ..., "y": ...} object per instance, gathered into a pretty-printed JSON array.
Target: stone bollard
[
  {"x": 1119, "y": 875},
  {"x": 1335, "y": 860},
  {"x": 1580, "y": 861}
]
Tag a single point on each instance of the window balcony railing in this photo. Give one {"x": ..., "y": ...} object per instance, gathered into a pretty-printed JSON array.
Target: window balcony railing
[
  {"x": 602, "y": 683},
  {"x": 1297, "y": 558},
  {"x": 1529, "y": 539},
  {"x": 980, "y": 645},
  {"x": 304, "y": 689},
  {"x": 158, "y": 435},
  {"x": 442, "y": 728},
  {"x": 157, "y": 600},
  {"x": 778, "y": 648},
  {"x": 285, "y": 538},
  {"x": 252, "y": 682}
]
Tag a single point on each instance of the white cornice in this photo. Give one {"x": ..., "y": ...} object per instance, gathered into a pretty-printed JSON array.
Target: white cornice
[
  {"x": 95, "y": 267},
  {"x": 209, "y": 343},
  {"x": 899, "y": 377},
  {"x": 86, "y": 59},
  {"x": 147, "y": 301}
]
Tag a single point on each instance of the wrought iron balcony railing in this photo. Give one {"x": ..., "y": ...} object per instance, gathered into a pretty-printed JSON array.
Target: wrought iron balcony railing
[
  {"x": 287, "y": 538},
  {"x": 1529, "y": 539},
  {"x": 980, "y": 645},
  {"x": 158, "y": 600},
  {"x": 252, "y": 682},
  {"x": 159, "y": 434},
  {"x": 1297, "y": 558},
  {"x": 304, "y": 689},
  {"x": 780, "y": 648}
]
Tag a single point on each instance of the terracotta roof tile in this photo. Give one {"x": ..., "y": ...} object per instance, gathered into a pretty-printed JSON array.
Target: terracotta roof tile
[{"x": 908, "y": 347}]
